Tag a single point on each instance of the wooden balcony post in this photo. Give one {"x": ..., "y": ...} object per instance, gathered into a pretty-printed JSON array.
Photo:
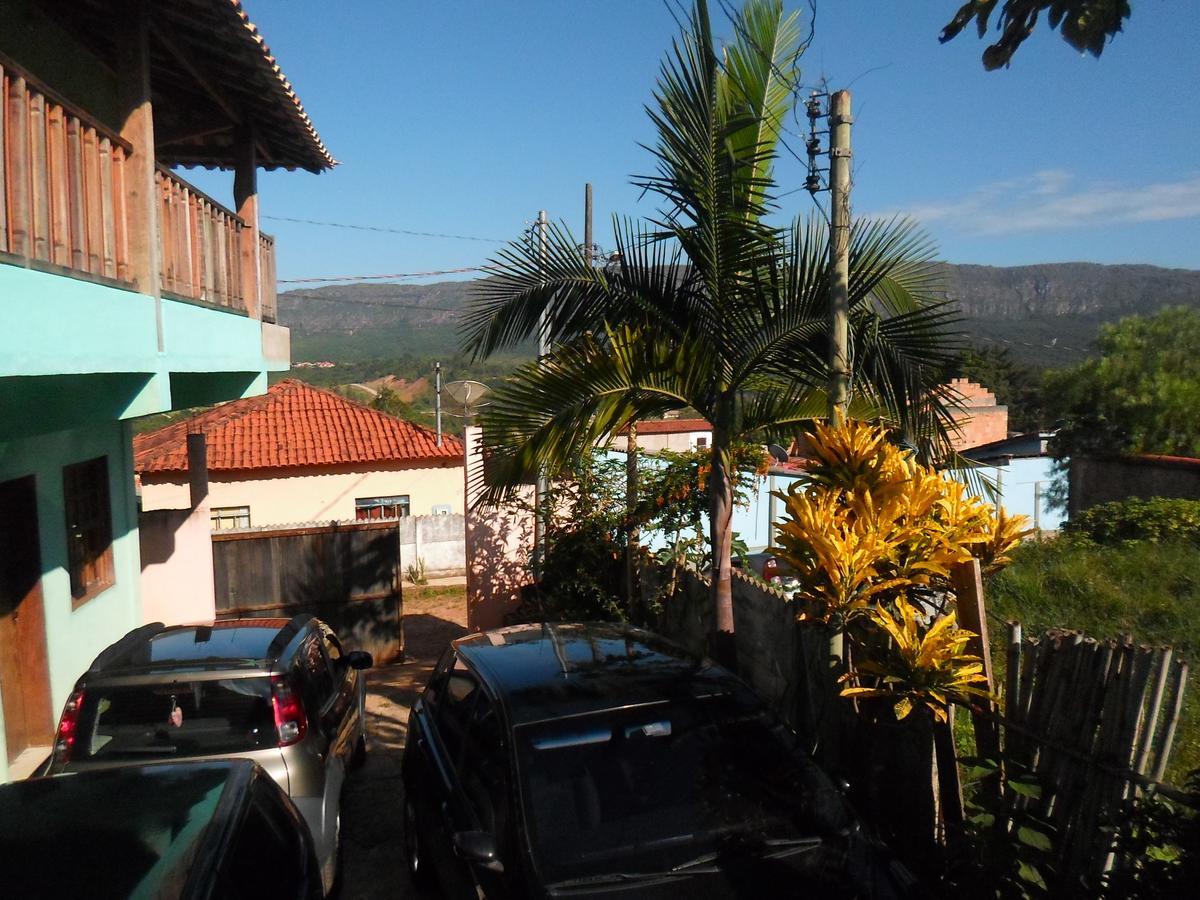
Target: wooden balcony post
[
  {"x": 137, "y": 127},
  {"x": 245, "y": 201}
]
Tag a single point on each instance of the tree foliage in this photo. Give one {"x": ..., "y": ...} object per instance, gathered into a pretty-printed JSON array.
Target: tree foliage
[
  {"x": 708, "y": 305},
  {"x": 1141, "y": 395},
  {"x": 1087, "y": 25},
  {"x": 873, "y": 535}
]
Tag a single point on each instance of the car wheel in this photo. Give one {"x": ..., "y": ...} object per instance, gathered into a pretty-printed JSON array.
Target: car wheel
[{"x": 414, "y": 847}]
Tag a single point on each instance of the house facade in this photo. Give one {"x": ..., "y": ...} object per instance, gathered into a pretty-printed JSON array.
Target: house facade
[
  {"x": 301, "y": 454},
  {"x": 124, "y": 291},
  {"x": 676, "y": 435}
]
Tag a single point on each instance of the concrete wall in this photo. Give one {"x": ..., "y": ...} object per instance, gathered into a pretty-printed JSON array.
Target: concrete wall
[
  {"x": 653, "y": 443},
  {"x": 439, "y": 540},
  {"x": 289, "y": 496},
  {"x": 499, "y": 548},
  {"x": 1096, "y": 480},
  {"x": 177, "y": 566},
  {"x": 75, "y": 636}
]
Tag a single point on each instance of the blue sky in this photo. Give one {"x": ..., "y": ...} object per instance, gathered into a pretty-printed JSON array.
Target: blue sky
[{"x": 467, "y": 116}]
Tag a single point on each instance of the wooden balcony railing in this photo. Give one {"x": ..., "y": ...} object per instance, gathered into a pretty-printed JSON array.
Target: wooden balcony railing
[
  {"x": 63, "y": 209},
  {"x": 266, "y": 275},
  {"x": 62, "y": 188},
  {"x": 201, "y": 255}
]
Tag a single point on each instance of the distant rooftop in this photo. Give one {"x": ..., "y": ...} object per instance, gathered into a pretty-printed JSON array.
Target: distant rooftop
[{"x": 293, "y": 425}]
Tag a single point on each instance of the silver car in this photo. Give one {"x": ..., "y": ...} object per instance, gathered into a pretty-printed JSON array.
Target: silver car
[{"x": 281, "y": 692}]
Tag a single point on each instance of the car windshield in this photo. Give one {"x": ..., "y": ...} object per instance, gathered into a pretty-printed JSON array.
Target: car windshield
[
  {"x": 196, "y": 718},
  {"x": 654, "y": 787}
]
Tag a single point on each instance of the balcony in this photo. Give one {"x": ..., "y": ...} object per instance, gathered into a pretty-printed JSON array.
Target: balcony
[{"x": 63, "y": 209}]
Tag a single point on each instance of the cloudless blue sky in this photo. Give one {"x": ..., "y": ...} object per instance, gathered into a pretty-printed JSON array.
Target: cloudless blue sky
[{"x": 467, "y": 116}]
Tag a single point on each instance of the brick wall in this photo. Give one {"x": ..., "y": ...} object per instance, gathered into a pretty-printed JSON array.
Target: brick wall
[{"x": 981, "y": 420}]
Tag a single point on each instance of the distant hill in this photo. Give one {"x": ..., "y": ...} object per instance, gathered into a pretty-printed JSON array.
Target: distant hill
[{"x": 1022, "y": 307}]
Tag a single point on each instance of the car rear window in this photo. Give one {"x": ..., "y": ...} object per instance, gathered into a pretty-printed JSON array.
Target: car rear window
[{"x": 196, "y": 718}]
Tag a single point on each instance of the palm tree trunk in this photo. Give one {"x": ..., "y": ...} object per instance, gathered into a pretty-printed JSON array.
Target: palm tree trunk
[{"x": 720, "y": 491}]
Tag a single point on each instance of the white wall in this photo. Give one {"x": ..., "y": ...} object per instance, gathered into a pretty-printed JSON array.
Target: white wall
[
  {"x": 439, "y": 540},
  {"x": 312, "y": 494}
]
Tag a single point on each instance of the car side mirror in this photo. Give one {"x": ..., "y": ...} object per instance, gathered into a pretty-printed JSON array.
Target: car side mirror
[
  {"x": 478, "y": 847},
  {"x": 359, "y": 659}
]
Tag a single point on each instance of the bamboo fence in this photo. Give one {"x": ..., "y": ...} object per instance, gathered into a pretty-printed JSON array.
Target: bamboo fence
[{"x": 1095, "y": 721}]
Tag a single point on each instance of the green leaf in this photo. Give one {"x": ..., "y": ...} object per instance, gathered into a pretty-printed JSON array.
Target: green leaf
[
  {"x": 1025, "y": 788},
  {"x": 1031, "y": 837},
  {"x": 1029, "y": 873}
]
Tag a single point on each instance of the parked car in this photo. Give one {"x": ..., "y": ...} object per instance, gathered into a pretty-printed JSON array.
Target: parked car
[
  {"x": 283, "y": 693},
  {"x": 219, "y": 830},
  {"x": 555, "y": 760}
]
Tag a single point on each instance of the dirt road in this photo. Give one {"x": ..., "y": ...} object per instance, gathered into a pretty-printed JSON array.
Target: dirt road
[{"x": 372, "y": 806}]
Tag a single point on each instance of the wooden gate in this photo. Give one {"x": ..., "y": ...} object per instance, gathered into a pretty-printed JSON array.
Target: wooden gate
[{"x": 347, "y": 574}]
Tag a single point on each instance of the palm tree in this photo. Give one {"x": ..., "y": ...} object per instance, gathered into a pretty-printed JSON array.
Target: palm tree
[{"x": 708, "y": 305}]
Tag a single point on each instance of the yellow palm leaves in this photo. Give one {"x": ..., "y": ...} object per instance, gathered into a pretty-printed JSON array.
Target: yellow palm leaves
[
  {"x": 917, "y": 665},
  {"x": 870, "y": 531}
]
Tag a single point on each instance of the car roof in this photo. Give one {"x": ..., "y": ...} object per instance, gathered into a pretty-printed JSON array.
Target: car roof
[
  {"x": 234, "y": 643},
  {"x": 550, "y": 671},
  {"x": 57, "y": 834}
]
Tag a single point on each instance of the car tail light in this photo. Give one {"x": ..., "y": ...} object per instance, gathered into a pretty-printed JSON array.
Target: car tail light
[
  {"x": 770, "y": 568},
  {"x": 64, "y": 741},
  {"x": 291, "y": 724}
]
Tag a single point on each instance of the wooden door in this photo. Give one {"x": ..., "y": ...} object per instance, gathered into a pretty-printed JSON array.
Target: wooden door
[{"x": 24, "y": 674}]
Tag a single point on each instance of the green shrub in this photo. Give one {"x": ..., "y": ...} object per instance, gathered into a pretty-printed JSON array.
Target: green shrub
[{"x": 1154, "y": 519}]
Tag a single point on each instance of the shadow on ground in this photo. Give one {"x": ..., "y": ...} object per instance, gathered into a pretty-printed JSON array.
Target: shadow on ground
[{"x": 373, "y": 864}]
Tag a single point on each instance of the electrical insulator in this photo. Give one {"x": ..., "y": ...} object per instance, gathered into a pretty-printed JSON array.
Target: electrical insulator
[{"x": 812, "y": 183}]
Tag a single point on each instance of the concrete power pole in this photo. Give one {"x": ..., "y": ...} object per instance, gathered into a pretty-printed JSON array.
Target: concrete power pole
[
  {"x": 541, "y": 512},
  {"x": 587, "y": 223},
  {"x": 839, "y": 255},
  {"x": 437, "y": 393}
]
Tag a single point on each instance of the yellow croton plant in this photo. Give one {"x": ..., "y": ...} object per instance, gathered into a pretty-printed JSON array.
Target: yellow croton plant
[{"x": 870, "y": 531}]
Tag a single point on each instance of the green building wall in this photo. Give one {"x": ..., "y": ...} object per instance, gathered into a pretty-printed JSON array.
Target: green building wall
[{"x": 75, "y": 636}]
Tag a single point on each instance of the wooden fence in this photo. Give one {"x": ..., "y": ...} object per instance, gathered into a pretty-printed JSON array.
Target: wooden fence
[
  {"x": 347, "y": 574},
  {"x": 1092, "y": 721},
  {"x": 1095, "y": 720}
]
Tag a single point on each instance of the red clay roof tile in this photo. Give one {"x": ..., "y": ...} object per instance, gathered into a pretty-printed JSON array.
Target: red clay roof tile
[{"x": 293, "y": 424}]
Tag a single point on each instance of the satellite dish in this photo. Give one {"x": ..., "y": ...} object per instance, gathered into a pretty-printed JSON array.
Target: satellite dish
[
  {"x": 469, "y": 395},
  {"x": 778, "y": 452}
]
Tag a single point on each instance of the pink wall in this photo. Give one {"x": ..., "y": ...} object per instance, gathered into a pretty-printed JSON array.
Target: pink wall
[
  {"x": 499, "y": 547},
  {"x": 176, "y": 548}
]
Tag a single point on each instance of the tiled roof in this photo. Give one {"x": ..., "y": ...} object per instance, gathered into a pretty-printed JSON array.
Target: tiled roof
[
  {"x": 670, "y": 426},
  {"x": 293, "y": 424}
]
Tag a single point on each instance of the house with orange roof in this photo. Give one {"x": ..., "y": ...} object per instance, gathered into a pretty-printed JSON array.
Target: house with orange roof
[
  {"x": 302, "y": 454},
  {"x": 678, "y": 435}
]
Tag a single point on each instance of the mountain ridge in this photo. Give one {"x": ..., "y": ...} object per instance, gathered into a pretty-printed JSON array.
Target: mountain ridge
[{"x": 1046, "y": 314}]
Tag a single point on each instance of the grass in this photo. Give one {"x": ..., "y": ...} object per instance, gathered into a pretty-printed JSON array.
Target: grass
[{"x": 1150, "y": 591}]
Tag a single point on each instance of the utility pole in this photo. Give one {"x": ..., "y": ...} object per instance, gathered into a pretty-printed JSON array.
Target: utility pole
[
  {"x": 543, "y": 483},
  {"x": 839, "y": 255},
  {"x": 587, "y": 223},
  {"x": 437, "y": 393}
]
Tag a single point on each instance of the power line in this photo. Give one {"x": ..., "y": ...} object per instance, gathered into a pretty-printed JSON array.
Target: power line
[
  {"x": 1055, "y": 346},
  {"x": 386, "y": 230},
  {"x": 363, "y": 301},
  {"x": 389, "y": 277}
]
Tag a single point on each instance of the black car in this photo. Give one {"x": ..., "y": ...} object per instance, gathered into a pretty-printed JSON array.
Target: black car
[
  {"x": 219, "y": 830},
  {"x": 555, "y": 760}
]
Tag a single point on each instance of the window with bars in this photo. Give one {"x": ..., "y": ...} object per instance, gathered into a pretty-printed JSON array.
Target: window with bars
[
  {"x": 88, "y": 513},
  {"x": 224, "y": 517},
  {"x": 381, "y": 507}
]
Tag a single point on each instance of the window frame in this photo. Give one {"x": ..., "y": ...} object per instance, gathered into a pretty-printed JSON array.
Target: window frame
[
  {"x": 400, "y": 504},
  {"x": 219, "y": 513},
  {"x": 87, "y": 482}
]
